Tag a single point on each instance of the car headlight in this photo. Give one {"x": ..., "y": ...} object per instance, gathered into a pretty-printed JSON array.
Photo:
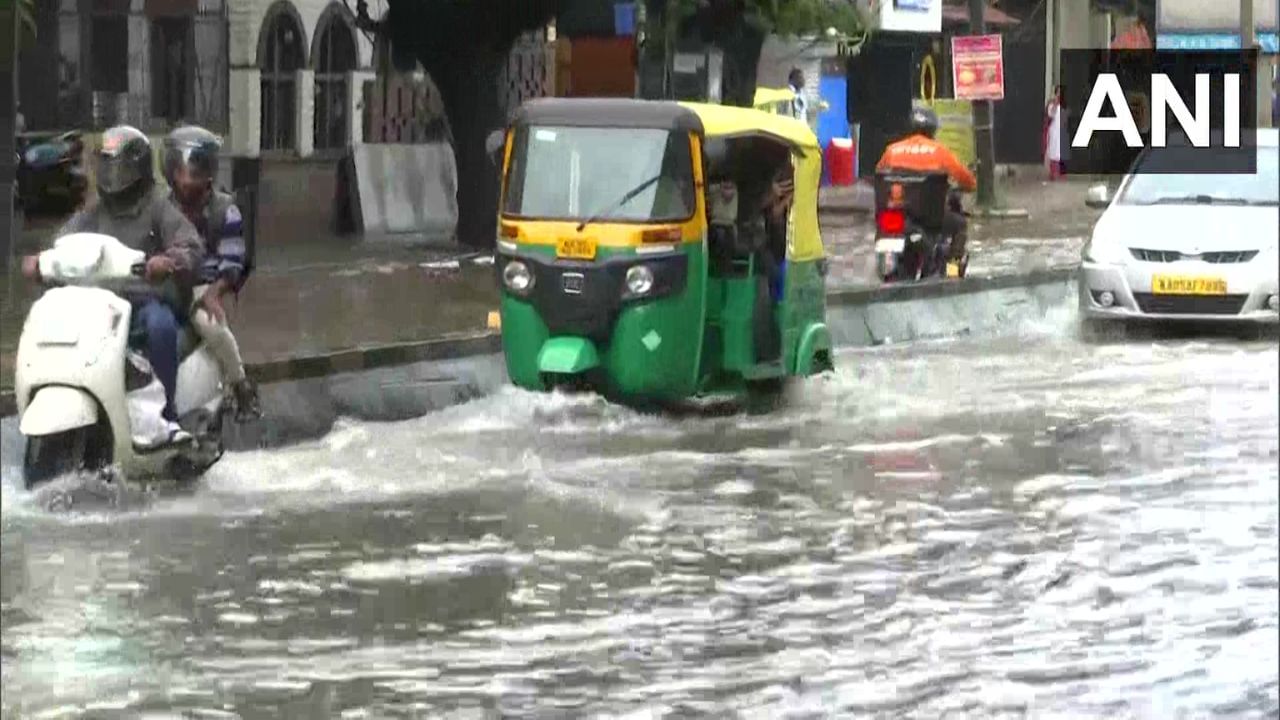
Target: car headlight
[
  {"x": 639, "y": 279},
  {"x": 1104, "y": 253},
  {"x": 517, "y": 278}
]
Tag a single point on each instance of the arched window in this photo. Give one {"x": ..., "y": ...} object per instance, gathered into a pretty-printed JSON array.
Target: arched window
[
  {"x": 335, "y": 57},
  {"x": 280, "y": 57}
]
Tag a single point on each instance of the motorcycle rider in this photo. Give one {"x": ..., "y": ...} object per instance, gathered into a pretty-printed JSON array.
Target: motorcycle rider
[
  {"x": 190, "y": 164},
  {"x": 133, "y": 210},
  {"x": 920, "y": 152}
]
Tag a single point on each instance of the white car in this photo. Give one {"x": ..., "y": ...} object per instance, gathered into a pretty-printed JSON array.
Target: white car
[{"x": 1186, "y": 246}]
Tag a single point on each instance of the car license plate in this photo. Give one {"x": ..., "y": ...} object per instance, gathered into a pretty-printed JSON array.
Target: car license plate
[
  {"x": 576, "y": 248},
  {"x": 890, "y": 245},
  {"x": 1177, "y": 285}
]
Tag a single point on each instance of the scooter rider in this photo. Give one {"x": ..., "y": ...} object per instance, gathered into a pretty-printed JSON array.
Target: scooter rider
[
  {"x": 920, "y": 152},
  {"x": 190, "y": 165},
  {"x": 133, "y": 210}
]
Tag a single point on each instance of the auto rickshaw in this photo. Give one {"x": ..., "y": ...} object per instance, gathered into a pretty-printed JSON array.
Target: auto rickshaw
[
  {"x": 652, "y": 250},
  {"x": 773, "y": 100},
  {"x": 778, "y": 101}
]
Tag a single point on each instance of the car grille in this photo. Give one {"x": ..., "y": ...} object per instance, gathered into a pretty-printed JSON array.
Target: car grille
[
  {"x": 1229, "y": 257},
  {"x": 1156, "y": 256},
  {"x": 1190, "y": 304},
  {"x": 1217, "y": 258}
]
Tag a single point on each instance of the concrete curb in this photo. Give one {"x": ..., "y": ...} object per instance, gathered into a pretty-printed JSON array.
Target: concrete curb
[
  {"x": 456, "y": 347},
  {"x": 944, "y": 288},
  {"x": 449, "y": 347}
]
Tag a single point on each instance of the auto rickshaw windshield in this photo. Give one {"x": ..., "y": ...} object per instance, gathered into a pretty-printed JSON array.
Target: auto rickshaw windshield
[{"x": 636, "y": 175}]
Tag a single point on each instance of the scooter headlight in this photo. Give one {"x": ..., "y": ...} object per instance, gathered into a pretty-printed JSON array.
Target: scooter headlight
[
  {"x": 517, "y": 278},
  {"x": 639, "y": 279}
]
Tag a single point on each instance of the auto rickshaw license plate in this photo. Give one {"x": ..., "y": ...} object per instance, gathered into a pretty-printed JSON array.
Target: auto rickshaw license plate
[
  {"x": 1177, "y": 285},
  {"x": 576, "y": 248}
]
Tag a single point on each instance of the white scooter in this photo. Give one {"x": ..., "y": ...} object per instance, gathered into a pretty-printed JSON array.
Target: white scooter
[{"x": 75, "y": 375}]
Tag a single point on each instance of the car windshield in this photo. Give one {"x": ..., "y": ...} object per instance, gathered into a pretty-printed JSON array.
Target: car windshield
[
  {"x": 1261, "y": 188},
  {"x": 610, "y": 174}
]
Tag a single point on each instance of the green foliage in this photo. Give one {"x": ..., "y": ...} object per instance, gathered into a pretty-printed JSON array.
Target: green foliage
[
  {"x": 806, "y": 17},
  {"x": 27, "y": 20},
  {"x": 783, "y": 17}
]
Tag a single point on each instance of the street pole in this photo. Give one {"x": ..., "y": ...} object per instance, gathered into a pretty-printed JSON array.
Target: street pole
[
  {"x": 1248, "y": 39},
  {"x": 8, "y": 126},
  {"x": 983, "y": 123}
]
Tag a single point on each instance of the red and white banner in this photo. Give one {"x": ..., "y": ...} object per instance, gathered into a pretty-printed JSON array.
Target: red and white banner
[{"x": 977, "y": 67}]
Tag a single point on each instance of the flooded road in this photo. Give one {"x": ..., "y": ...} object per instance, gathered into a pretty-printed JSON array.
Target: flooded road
[{"x": 1026, "y": 526}]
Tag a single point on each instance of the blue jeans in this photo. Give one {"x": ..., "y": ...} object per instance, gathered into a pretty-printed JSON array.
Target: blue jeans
[{"x": 160, "y": 326}]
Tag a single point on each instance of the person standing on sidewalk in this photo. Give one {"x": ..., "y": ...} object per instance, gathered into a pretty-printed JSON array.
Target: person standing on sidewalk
[
  {"x": 190, "y": 166},
  {"x": 1051, "y": 142},
  {"x": 799, "y": 104}
]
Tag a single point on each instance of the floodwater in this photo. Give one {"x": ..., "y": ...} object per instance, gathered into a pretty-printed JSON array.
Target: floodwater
[{"x": 1027, "y": 526}]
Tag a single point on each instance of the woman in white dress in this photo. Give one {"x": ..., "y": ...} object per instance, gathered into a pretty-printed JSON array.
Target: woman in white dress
[{"x": 1053, "y": 134}]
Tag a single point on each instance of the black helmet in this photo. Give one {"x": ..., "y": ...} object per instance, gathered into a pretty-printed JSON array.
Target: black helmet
[
  {"x": 194, "y": 147},
  {"x": 124, "y": 165},
  {"x": 924, "y": 120}
]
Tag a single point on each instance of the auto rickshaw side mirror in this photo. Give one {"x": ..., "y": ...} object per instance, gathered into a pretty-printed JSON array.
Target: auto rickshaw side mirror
[{"x": 1098, "y": 196}]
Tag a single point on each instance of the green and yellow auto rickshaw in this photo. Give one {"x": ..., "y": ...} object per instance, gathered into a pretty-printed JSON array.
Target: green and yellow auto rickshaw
[
  {"x": 660, "y": 251},
  {"x": 773, "y": 100}
]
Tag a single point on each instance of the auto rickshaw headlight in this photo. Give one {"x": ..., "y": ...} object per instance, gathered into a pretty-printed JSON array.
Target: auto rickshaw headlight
[
  {"x": 516, "y": 277},
  {"x": 639, "y": 279}
]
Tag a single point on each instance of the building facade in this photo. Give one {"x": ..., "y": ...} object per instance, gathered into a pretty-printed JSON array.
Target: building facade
[
  {"x": 148, "y": 63},
  {"x": 280, "y": 78},
  {"x": 296, "y": 75}
]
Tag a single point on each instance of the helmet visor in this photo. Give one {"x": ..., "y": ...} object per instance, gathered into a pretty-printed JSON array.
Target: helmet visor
[
  {"x": 116, "y": 173},
  {"x": 198, "y": 162}
]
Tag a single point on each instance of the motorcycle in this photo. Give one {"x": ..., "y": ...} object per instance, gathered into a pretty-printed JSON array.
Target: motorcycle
[
  {"x": 86, "y": 402},
  {"x": 910, "y": 243},
  {"x": 51, "y": 168}
]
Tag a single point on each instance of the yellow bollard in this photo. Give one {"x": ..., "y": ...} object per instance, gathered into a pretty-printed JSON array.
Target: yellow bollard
[{"x": 495, "y": 320}]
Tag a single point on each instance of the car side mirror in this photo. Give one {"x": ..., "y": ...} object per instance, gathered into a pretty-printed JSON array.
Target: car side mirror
[{"x": 1099, "y": 197}]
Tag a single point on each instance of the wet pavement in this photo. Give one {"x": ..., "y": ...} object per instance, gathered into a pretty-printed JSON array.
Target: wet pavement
[
  {"x": 321, "y": 294},
  {"x": 1026, "y": 526}
]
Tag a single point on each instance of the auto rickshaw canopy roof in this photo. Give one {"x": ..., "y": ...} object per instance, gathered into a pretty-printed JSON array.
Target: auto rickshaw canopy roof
[
  {"x": 711, "y": 122},
  {"x": 768, "y": 96}
]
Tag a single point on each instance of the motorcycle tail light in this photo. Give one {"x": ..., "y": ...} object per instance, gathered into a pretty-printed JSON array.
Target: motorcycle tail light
[{"x": 891, "y": 222}]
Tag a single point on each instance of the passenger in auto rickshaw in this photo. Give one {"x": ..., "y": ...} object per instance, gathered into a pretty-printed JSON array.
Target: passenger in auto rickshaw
[{"x": 750, "y": 190}]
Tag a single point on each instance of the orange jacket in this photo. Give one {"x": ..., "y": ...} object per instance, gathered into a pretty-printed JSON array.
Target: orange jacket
[{"x": 920, "y": 153}]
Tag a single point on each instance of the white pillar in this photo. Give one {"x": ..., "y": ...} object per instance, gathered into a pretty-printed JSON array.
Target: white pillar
[
  {"x": 139, "y": 54},
  {"x": 1051, "y": 46},
  {"x": 306, "y": 103},
  {"x": 245, "y": 112},
  {"x": 355, "y": 105}
]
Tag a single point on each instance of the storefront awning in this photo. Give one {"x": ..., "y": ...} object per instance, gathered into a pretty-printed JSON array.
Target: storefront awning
[
  {"x": 959, "y": 14},
  {"x": 1268, "y": 41}
]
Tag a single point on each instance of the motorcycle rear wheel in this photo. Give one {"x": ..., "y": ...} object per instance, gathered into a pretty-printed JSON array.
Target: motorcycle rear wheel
[{"x": 51, "y": 456}]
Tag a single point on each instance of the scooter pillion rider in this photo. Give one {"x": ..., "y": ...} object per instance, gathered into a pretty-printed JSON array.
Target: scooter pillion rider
[
  {"x": 920, "y": 152},
  {"x": 137, "y": 213},
  {"x": 190, "y": 165}
]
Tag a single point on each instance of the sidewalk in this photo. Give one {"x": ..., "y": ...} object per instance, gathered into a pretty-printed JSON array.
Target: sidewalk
[{"x": 336, "y": 294}]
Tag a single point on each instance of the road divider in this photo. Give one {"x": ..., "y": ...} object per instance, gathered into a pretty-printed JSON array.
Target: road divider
[{"x": 303, "y": 396}]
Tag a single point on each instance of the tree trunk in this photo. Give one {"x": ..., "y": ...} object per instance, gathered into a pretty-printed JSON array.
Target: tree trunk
[
  {"x": 468, "y": 87},
  {"x": 741, "y": 62}
]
